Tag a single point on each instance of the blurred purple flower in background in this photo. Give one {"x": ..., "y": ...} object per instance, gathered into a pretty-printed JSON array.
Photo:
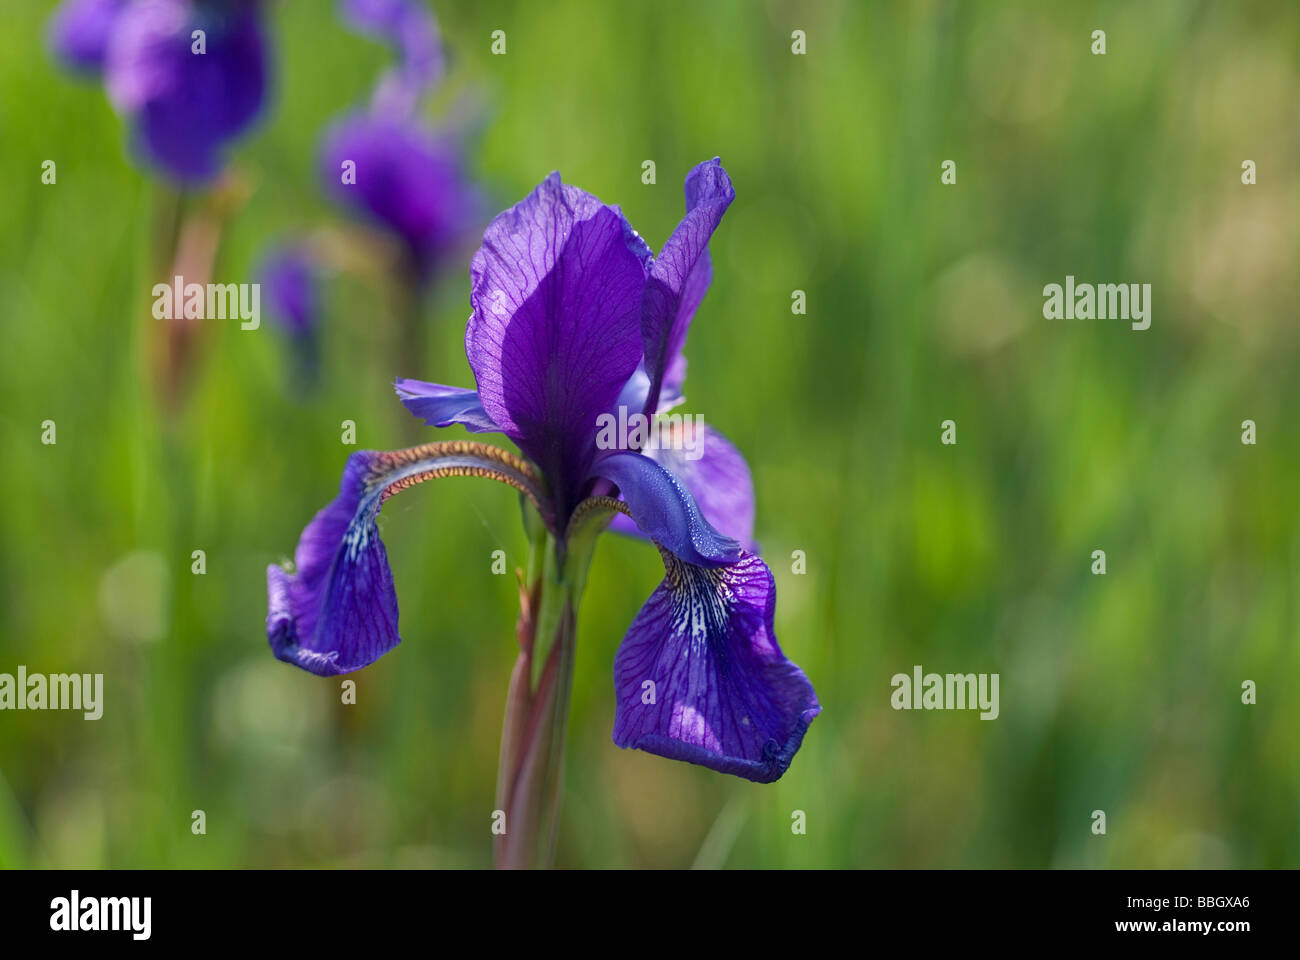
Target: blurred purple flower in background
[
  {"x": 79, "y": 32},
  {"x": 408, "y": 179},
  {"x": 290, "y": 278},
  {"x": 383, "y": 163},
  {"x": 190, "y": 75},
  {"x": 386, "y": 166},
  {"x": 289, "y": 284},
  {"x": 413, "y": 33}
]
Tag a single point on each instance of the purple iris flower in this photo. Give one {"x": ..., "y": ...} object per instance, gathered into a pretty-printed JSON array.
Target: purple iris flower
[
  {"x": 399, "y": 173},
  {"x": 412, "y": 32},
  {"x": 184, "y": 105},
  {"x": 572, "y": 316},
  {"x": 290, "y": 279},
  {"x": 408, "y": 179}
]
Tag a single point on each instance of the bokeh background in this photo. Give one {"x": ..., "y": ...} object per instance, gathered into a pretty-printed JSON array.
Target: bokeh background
[{"x": 1120, "y": 693}]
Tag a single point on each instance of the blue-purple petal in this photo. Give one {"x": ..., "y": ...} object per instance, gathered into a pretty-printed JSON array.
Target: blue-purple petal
[
  {"x": 79, "y": 31},
  {"x": 632, "y": 398},
  {"x": 718, "y": 478},
  {"x": 682, "y": 270},
  {"x": 337, "y": 611},
  {"x": 665, "y": 511},
  {"x": 700, "y": 676},
  {"x": 186, "y": 106},
  {"x": 554, "y": 334},
  {"x": 410, "y": 28},
  {"x": 407, "y": 178},
  {"x": 441, "y": 406},
  {"x": 290, "y": 277}
]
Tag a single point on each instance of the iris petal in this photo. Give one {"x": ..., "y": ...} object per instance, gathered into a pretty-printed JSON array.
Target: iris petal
[
  {"x": 79, "y": 31},
  {"x": 632, "y": 398},
  {"x": 409, "y": 27},
  {"x": 682, "y": 271},
  {"x": 554, "y": 334},
  {"x": 409, "y": 179},
  {"x": 665, "y": 511},
  {"x": 337, "y": 611},
  {"x": 187, "y": 107},
  {"x": 718, "y": 478},
  {"x": 441, "y": 406},
  {"x": 700, "y": 676},
  {"x": 289, "y": 277}
]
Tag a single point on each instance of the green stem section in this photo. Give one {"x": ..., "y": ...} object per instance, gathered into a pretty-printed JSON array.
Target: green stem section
[
  {"x": 530, "y": 775},
  {"x": 531, "y": 770}
]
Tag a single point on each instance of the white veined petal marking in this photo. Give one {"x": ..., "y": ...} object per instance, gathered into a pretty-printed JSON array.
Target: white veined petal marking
[{"x": 702, "y": 597}]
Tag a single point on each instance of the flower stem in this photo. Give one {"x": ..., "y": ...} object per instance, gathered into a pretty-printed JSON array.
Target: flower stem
[
  {"x": 530, "y": 777},
  {"x": 531, "y": 771}
]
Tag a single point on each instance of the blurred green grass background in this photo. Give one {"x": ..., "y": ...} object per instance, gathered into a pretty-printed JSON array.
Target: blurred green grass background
[{"x": 1119, "y": 693}]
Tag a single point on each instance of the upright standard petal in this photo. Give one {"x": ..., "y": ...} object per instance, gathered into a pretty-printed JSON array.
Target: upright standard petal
[
  {"x": 682, "y": 273},
  {"x": 664, "y": 510},
  {"x": 406, "y": 178},
  {"x": 554, "y": 333},
  {"x": 79, "y": 30},
  {"x": 441, "y": 406},
  {"x": 186, "y": 106},
  {"x": 700, "y": 676},
  {"x": 713, "y": 470},
  {"x": 337, "y": 611}
]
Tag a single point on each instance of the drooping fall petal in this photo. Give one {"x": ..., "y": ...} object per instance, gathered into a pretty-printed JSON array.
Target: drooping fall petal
[
  {"x": 700, "y": 676},
  {"x": 337, "y": 610}
]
